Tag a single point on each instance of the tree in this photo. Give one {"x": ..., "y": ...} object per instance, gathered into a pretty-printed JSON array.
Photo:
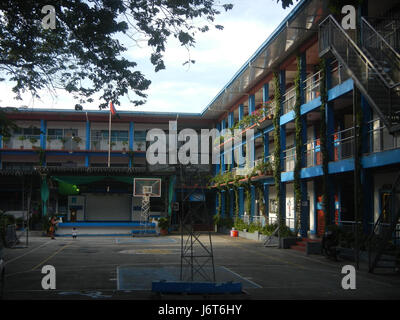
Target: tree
[
  {"x": 83, "y": 54},
  {"x": 333, "y": 5}
]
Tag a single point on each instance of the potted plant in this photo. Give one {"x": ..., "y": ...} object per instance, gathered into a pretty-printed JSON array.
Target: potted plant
[
  {"x": 124, "y": 144},
  {"x": 112, "y": 144},
  {"x": 63, "y": 141},
  {"x": 163, "y": 223},
  {"x": 33, "y": 141},
  {"x": 49, "y": 139},
  {"x": 6, "y": 140},
  {"x": 95, "y": 144},
  {"x": 139, "y": 145},
  {"x": 78, "y": 140},
  {"x": 22, "y": 139}
]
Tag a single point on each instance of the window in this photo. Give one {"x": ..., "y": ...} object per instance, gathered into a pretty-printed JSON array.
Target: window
[
  {"x": 116, "y": 135},
  {"x": 31, "y": 131}
]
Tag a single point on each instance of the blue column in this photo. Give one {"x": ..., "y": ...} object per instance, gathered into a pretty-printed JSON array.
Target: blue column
[
  {"x": 218, "y": 166},
  {"x": 265, "y": 92},
  {"x": 368, "y": 196},
  {"x": 231, "y": 119},
  {"x": 266, "y": 199},
  {"x": 241, "y": 201},
  {"x": 241, "y": 116},
  {"x": 282, "y": 196},
  {"x": 88, "y": 144},
  {"x": 43, "y": 133},
  {"x": 223, "y": 127},
  {"x": 252, "y": 103},
  {"x": 216, "y": 202},
  {"x": 241, "y": 112},
  {"x": 304, "y": 211},
  {"x": 131, "y": 141},
  {"x": 266, "y": 145},
  {"x": 252, "y": 200},
  {"x": 223, "y": 203},
  {"x": 232, "y": 202},
  {"x": 366, "y": 177},
  {"x": 223, "y": 124}
]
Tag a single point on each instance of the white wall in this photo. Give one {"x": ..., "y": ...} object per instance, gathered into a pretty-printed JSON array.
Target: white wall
[
  {"x": 272, "y": 196},
  {"x": 311, "y": 198},
  {"x": 290, "y": 205}
]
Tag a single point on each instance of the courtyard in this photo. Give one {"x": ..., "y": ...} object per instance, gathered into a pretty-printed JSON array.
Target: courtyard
[{"x": 92, "y": 268}]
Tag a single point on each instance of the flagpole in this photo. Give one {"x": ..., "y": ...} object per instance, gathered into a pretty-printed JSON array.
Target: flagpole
[{"x": 109, "y": 140}]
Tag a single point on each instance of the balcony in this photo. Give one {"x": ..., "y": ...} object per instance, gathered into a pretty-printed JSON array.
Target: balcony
[
  {"x": 289, "y": 159},
  {"x": 67, "y": 143},
  {"x": 338, "y": 74},
  {"x": 343, "y": 144},
  {"x": 102, "y": 145},
  {"x": 379, "y": 139},
  {"x": 289, "y": 100},
  {"x": 28, "y": 142},
  {"x": 312, "y": 87},
  {"x": 312, "y": 153}
]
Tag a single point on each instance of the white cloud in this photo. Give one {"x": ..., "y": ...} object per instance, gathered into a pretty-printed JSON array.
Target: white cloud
[{"x": 218, "y": 55}]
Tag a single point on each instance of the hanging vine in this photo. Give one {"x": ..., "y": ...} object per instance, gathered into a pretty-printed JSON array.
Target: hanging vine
[
  {"x": 277, "y": 143},
  {"x": 299, "y": 145},
  {"x": 236, "y": 190},
  {"x": 323, "y": 142}
]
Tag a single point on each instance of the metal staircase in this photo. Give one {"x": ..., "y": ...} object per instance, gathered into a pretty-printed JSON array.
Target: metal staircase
[
  {"x": 374, "y": 73},
  {"x": 384, "y": 241}
]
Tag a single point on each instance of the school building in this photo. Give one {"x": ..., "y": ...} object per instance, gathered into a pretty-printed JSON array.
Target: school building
[{"x": 345, "y": 111}]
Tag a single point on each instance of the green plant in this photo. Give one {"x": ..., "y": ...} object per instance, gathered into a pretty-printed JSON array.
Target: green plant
[
  {"x": 21, "y": 138},
  {"x": 264, "y": 167},
  {"x": 323, "y": 142},
  {"x": 6, "y": 138},
  {"x": 299, "y": 146},
  {"x": 78, "y": 140},
  {"x": 240, "y": 225},
  {"x": 163, "y": 223},
  {"x": 33, "y": 140},
  {"x": 63, "y": 140},
  {"x": 277, "y": 145}
]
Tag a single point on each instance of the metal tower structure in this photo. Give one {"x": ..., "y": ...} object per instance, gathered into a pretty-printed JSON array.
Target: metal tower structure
[{"x": 197, "y": 257}]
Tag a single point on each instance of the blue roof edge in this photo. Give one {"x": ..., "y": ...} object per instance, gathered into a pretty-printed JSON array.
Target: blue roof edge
[{"x": 272, "y": 36}]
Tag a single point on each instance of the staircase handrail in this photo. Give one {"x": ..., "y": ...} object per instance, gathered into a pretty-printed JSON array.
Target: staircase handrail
[
  {"x": 380, "y": 37},
  {"x": 383, "y": 47},
  {"x": 357, "y": 49}
]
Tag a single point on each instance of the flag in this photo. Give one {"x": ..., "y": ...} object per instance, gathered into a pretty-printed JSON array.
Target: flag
[{"x": 112, "y": 109}]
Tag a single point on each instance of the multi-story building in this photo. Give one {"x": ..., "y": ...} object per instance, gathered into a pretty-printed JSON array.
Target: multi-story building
[{"x": 357, "y": 83}]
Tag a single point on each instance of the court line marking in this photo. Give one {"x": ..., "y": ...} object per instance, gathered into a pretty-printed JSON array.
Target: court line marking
[
  {"x": 238, "y": 275},
  {"x": 51, "y": 256},
  {"x": 22, "y": 255}
]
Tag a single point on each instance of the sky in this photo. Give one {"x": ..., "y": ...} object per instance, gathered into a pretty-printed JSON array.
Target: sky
[{"x": 182, "y": 88}]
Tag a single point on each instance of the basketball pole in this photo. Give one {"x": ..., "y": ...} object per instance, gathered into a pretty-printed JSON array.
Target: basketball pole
[{"x": 109, "y": 140}]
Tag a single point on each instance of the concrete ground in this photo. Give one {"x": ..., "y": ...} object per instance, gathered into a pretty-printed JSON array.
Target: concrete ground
[{"x": 122, "y": 268}]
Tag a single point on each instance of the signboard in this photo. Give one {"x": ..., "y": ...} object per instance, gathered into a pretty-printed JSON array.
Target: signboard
[{"x": 197, "y": 197}]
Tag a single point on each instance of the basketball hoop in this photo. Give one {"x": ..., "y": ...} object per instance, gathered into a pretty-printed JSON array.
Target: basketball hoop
[{"x": 146, "y": 188}]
